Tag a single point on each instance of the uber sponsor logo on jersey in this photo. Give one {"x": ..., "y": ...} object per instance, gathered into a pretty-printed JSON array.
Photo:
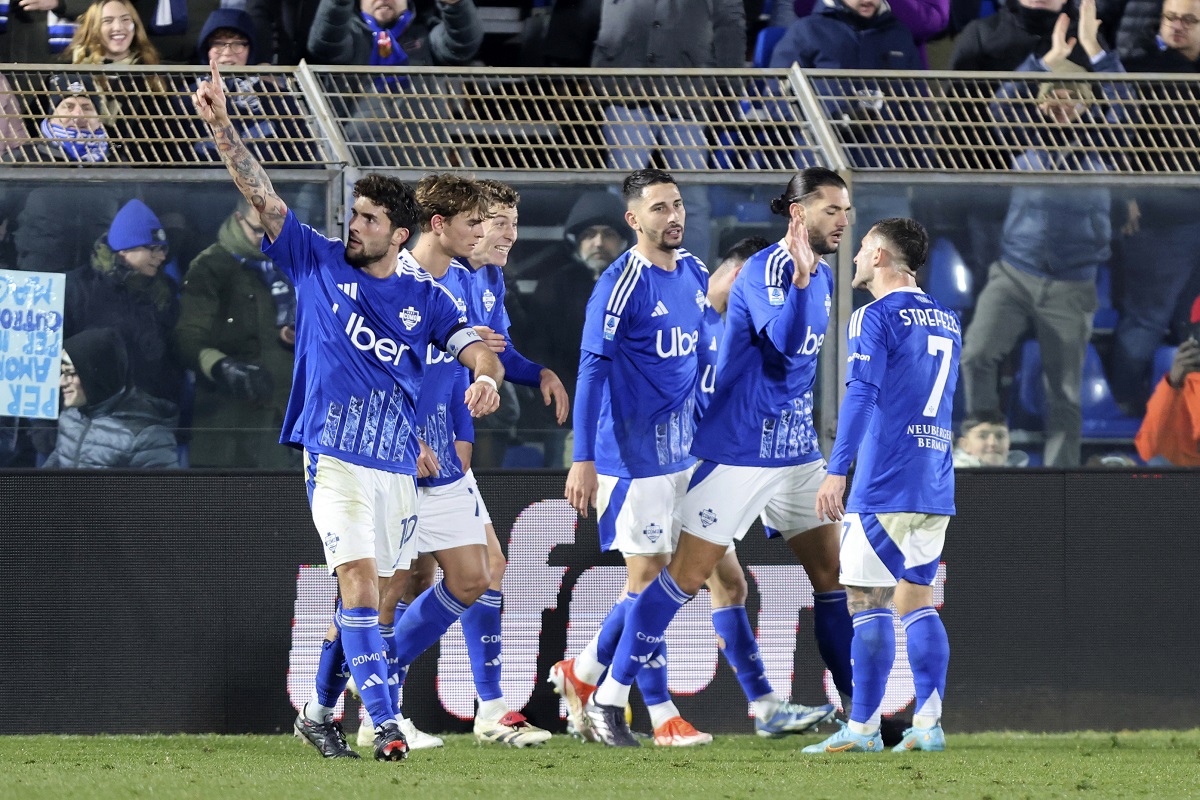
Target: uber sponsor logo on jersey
[
  {"x": 682, "y": 342},
  {"x": 365, "y": 339},
  {"x": 812, "y": 343}
]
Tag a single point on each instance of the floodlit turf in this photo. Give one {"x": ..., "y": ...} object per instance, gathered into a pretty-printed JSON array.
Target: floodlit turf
[{"x": 1158, "y": 764}]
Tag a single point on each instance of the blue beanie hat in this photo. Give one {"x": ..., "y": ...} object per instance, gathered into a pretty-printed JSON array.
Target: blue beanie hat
[{"x": 135, "y": 225}]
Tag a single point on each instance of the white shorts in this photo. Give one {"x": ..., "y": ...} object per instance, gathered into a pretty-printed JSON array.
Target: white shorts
[
  {"x": 880, "y": 549},
  {"x": 448, "y": 516},
  {"x": 723, "y": 501},
  {"x": 638, "y": 516},
  {"x": 362, "y": 512},
  {"x": 483, "y": 512}
]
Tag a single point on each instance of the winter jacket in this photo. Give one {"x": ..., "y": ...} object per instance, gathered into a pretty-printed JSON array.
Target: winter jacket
[
  {"x": 283, "y": 27},
  {"x": 26, "y": 38},
  {"x": 660, "y": 34},
  {"x": 1139, "y": 22},
  {"x": 999, "y": 43},
  {"x": 1171, "y": 428},
  {"x": 107, "y": 294},
  {"x": 449, "y": 36},
  {"x": 130, "y": 429},
  {"x": 834, "y": 37},
  {"x": 226, "y": 311},
  {"x": 118, "y": 426},
  {"x": 59, "y": 224},
  {"x": 926, "y": 19}
]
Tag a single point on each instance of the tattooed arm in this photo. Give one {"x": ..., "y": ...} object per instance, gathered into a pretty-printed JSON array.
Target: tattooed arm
[{"x": 248, "y": 175}]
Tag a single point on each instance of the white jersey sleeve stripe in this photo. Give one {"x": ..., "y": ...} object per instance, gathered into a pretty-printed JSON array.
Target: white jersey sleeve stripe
[
  {"x": 624, "y": 287},
  {"x": 855, "y": 327}
]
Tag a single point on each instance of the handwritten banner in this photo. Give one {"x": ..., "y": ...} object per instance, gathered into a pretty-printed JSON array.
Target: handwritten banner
[{"x": 31, "y": 322}]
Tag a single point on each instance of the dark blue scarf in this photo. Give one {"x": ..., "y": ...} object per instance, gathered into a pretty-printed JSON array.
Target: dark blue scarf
[{"x": 386, "y": 51}]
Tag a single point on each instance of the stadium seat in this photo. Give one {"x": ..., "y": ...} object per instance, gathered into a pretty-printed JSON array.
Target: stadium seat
[
  {"x": 947, "y": 277},
  {"x": 764, "y": 45},
  {"x": 1163, "y": 357},
  {"x": 1105, "y": 319},
  {"x": 522, "y": 456},
  {"x": 1102, "y": 418}
]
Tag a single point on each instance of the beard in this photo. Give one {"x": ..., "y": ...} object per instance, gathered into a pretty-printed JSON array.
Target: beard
[{"x": 363, "y": 257}]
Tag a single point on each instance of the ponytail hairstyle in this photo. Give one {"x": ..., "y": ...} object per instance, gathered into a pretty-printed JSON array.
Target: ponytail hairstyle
[{"x": 803, "y": 185}]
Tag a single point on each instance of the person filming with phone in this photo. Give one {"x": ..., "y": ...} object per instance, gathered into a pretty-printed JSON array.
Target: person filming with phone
[{"x": 1170, "y": 432}]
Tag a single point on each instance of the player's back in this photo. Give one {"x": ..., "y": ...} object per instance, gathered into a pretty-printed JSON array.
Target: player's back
[
  {"x": 646, "y": 320},
  {"x": 908, "y": 345}
]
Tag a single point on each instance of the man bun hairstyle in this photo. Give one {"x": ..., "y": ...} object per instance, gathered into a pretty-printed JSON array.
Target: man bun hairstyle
[
  {"x": 396, "y": 197},
  {"x": 804, "y": 184},
  {"x": 638, "y": 181},
  {"x": 908, "y": 240}
]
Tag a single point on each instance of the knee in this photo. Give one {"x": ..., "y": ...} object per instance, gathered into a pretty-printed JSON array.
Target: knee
[
  {"x": 728, "y": 590},
  {"x": 497, "y": 564},
  {"x": 468, "y": 588}
]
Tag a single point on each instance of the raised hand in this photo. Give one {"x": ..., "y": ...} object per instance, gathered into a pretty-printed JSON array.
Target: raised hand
[
  {"x": 801, "y": 252},
  {"x": 210, "y": 100},
  {"x": 1060, "y": 45},
  {"x": 1089, "y": 28}
]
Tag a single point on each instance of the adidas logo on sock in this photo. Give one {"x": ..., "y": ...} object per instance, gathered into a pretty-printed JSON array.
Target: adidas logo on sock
[
  {"x": 350, "y": 289},
  {"x": 374, "y": 680},
  {"x": 495, "y": 662},
  {"x": 659, "y": 310}
]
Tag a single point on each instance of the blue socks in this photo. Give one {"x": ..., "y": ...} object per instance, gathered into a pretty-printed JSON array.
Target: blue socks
[
  {"x": 332, "y": 673},
  {"x": 481, "y": 629},
  {"x": 427, "y": 618},
  {"x": 833, "y": 630},
  {"x": 647, "y": 620},
  {"x": 929, "y": 656},
  {"x": 611, "y": 629},
  {"x": 365, "y": 655},
  {"x": 873, "y": 651},
  {"x": 741, "y": 650},
  {"x": 652, "y": 678}
]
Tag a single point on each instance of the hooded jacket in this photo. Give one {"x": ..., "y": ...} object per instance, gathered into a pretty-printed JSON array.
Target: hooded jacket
[
  {"x": 120, "y": 426},
  {"x": 234, "y": 19},
  {"x": 835, "y": 37},
  {"x": 226, "y": 311},
  {"x": 107, "y": 294},
  {"x": 663, "y": 34}
]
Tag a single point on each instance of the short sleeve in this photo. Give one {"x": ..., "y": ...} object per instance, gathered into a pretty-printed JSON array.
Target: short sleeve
[
  {"x": 608, "y": 312},
  {"x": 297, "y": 248},
  {"x": 768, "y": 280},
  {"x": 867, "y": 337}
]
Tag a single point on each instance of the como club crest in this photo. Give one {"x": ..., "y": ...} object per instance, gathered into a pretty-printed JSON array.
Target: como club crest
[{"x": 410, "y": 317}]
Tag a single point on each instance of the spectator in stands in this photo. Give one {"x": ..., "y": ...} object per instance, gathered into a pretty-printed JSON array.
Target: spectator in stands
[
  {"x": 123, "y": 288},
  {"x": 111, "y": 32},
  {"x": 36, "y": 31},
  {"x": 282, "y": 28},
  {"x": 927, "y": 19},
  {"x": 1160, "y": 247},
  {"x": 984, "y": 442},
  {"x": 595, "y": 233},
  {"x": 106, "y": 422},
  {"x": 1054, "y": 240},
  {"x": 862, "y": 35},
  {"x": 236, "y": 331},
  {"x": 1171, "y": 429},
  {"x": 1132, "y": 23},
  {"x": 71, "y": 129},
  {"x": 848, "y": 34},
  {"x": 564, "y": 37},
  {"x": 1022, "y": 28},
  {"x": 58, "y": 225},
  {"x": 388, "y": 33},
  {"x": 667, "y": 35},
  {"x": 259, "y": 107}
]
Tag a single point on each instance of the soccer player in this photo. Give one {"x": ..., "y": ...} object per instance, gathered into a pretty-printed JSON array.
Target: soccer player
[
  {"x": 896, "y": 416},
  {"x": 759, "y": 456},
  {"x": 634, "y": 416},
  {"x": 365, "y": 320},
  {"x": 494, "y": 721}
]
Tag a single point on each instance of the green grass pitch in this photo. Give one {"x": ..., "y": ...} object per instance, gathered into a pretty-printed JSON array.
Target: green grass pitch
[{"x": 1157, "y": 764}]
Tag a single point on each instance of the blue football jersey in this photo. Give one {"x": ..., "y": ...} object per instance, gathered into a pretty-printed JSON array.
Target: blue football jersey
[
  {"x": 712, "y": 329},
  {"x": 646, "y": 320},
  {"x": 360, "y": 348},
  {"x": 761, "y": 411},
  {"x": 908, "y": 345},
  {"x": 442, "y": 417},
  {"x": 485, "y": 297}
]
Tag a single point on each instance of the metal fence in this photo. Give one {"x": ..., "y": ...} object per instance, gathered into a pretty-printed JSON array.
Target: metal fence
[{"x": 693, "y": 122}]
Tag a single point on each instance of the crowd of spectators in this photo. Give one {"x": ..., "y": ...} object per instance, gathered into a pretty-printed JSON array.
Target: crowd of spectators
[{"x": 224, "y": 361}]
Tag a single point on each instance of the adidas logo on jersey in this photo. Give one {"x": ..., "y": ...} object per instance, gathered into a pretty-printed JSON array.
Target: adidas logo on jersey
[
  {"x": 349, "y": 289},
  {"x": 659, "y": 310}
]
